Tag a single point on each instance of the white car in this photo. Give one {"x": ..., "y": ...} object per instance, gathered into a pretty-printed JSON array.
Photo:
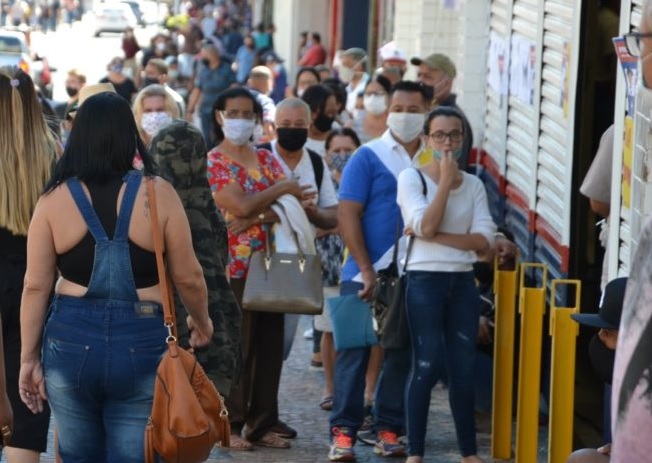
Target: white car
[
  {"x": 114, "y": 17},
  {"x": 14, "y": 50}
]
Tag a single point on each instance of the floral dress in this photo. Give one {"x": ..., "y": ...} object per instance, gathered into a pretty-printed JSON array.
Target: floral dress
[{"x": 223, "y": 171}]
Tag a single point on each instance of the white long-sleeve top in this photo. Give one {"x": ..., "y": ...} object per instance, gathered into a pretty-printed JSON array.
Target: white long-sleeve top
[{"x": 466, "y": 212}]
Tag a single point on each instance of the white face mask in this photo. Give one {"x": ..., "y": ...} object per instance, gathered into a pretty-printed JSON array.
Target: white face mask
[
  {"x": 375, "y": 104},
  {"x": 258, "y": 133},
  {"x": 152, "y": 122},
  {"x": 406, "y": 126},
  {"x": 346, "y": 74},
  {"x": 238, "y": 131},
  {"x": 300, "y": 92}
]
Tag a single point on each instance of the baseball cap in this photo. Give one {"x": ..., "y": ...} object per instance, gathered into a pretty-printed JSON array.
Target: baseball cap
[
  {"x": 437, "y": 61},
  {"x": 611, "y": 307},
  {"x": 393, "y": 55}
]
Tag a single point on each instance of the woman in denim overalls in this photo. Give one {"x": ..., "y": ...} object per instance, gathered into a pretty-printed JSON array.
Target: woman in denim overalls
[{"x": 95, "y": 361}]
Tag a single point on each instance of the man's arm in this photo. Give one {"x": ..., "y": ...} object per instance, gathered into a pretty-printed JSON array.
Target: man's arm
[{"x": 349, "y": 214}]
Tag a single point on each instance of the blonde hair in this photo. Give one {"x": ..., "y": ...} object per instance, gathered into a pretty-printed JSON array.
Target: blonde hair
[
  {"x": 171, "y": 106},
  {"x": 27, "y": 149}
]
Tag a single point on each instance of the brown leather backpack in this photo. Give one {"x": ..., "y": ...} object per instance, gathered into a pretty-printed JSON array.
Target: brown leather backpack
[{"x": 188, "y": 414}]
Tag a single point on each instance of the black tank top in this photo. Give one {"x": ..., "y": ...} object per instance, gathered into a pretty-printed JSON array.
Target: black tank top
[{"x": 76, "y": 265}]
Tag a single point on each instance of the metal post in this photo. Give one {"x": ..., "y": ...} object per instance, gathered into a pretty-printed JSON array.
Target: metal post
[
  {"x": 532, "y": 306},
  {"x": 562, "y": 382},
  {"x": 505, "y": 284}
]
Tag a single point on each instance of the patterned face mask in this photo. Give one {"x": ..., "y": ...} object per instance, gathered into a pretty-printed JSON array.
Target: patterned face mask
[{"x": 152, "y": 122}]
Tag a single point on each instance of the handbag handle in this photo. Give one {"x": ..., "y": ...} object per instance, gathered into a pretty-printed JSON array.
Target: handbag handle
[
  {"x": 169, "y": 316},
  {"x": 295, "y": 237}
]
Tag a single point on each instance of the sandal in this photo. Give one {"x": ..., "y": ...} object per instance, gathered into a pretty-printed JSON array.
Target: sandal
[
  {"x": 273, "y": 440},
  {"x": 240, "y": 444},
  {"x": 326, "y": 402}
]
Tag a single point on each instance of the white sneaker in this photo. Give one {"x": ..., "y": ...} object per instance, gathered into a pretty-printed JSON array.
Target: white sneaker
[{"x": 308, "y": 333}]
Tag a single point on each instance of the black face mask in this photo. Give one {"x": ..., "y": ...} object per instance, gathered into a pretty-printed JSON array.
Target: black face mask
[
  {"x": 72, "y": 91},
  {"x": 291, "y": 139},
  {"x": 429, "y": 90},
  {"x": 323, "y": 123},
  {"x": 602, "y": 359},
  {"x": 205, "y": 62},
  {"x": 149, "y": 81}
]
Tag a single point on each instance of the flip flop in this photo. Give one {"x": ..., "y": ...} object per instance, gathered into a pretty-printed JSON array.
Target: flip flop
[
  {"x": 240, "y": 444},
  {"x": 326, "y": 402},
  {"x": 272, "y": 440}
]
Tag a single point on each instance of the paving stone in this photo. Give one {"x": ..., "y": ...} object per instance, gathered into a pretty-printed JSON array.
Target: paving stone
[{"x": 300, "y": 392}]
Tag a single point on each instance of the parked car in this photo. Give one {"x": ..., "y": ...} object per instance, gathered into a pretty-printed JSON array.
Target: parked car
[
  {"x": 114, "y": 17},
  {"x": 14, "y": 51},
  {"x": 136, "y": 10}
]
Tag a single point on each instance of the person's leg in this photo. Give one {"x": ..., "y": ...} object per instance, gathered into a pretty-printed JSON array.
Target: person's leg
[
  {"x": 389, "y": 404},
  {"x": 348, "y": 385},
  {"x": 426, "y": 295},
  {"x": 73, "y": 365},
  {"x": 289, "y": 333},
  {"x": 328, "y": 356},
  {"x": 462, "y": 316},
  {"x": 129, "y": 387},
  {"x": 373, "y": 372},
  {"x": 267, "y": 355},
  {"x": 241, "y": 390}
]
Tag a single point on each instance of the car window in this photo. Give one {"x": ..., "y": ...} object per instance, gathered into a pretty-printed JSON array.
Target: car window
[{"x": 9, "y": 44}]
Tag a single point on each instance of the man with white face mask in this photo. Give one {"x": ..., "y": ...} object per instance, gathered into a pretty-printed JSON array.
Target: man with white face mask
[
  {"x": 631, "y": 400},
  {"x": 368, "y": 216},
  {"x": 436, "y": 74}
]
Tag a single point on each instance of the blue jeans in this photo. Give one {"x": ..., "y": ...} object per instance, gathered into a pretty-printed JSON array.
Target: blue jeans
[
  {"x": 100, "y": 361},
  {"x": 349, "y": 382},
  {"x": 442, "y": 305}
]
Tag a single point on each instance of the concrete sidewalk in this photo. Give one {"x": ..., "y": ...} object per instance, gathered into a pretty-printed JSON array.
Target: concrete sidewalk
[{"x": 301, "y": 389}]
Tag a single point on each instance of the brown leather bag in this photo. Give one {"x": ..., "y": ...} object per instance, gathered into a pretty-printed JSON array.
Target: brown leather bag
[{"x": 188, "y": 414}]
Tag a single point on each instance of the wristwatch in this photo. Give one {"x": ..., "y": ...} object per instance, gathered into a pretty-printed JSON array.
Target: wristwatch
[{"x": 261, "y": 217}]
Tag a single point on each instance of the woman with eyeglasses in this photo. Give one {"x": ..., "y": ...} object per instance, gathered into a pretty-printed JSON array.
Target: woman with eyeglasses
[
  {"x": 245, "y": 182},
  {"x": 446, "y": 211}
]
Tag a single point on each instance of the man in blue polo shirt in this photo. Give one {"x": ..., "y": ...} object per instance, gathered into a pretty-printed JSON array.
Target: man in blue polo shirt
[{"x": 368, "y": 215}]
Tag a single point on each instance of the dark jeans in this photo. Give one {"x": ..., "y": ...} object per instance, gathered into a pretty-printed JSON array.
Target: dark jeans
[
  {"x": 349, "y": 379},
  {"x": 254, "y": 398},
  {"x": 442, "y": 305}
]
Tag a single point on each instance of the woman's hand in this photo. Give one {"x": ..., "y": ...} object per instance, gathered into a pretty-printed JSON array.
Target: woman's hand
[
  {"x": 31, "y": 385},
  {"x": 6, "y": 418},
  {"x": 200, "y": 334},
  {"x": 240, "y": 225},
  {"x": 448, "y": 169}
]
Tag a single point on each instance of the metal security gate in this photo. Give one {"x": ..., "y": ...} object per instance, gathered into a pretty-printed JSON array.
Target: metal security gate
[{"x": 560, "y": 51}]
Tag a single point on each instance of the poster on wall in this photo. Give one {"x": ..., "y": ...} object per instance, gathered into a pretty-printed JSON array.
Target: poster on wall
[
  {"x": 522, "y": 69},
  {"x": 498, "y": 63},
  {"x": 629, "y": 65}
]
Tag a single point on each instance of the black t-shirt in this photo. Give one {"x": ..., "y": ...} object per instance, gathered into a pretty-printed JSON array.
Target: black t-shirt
[{"x": 126, "y": 89}]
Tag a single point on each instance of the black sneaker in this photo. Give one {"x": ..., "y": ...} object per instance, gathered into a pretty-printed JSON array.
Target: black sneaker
[{"x": 367, "y": 437}]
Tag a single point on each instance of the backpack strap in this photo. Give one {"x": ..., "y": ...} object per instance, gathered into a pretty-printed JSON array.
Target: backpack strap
[{"x": 317, "y": 167}]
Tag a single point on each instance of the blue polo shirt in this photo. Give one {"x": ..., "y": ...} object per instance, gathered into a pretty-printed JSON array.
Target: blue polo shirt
[
  {"x": 212, "y": 82},
  {"x": 369, "y": 178}
]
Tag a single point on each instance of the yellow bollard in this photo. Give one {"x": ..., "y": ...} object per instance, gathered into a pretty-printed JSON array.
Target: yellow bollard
[
  {"x": 505, "y": 284},
  {"x": 562, "y": 382},
  {"x": 532, "y": 306}
]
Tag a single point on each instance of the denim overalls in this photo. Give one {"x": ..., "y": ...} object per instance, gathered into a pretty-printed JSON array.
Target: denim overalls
[{"x": 101, "y": 351}]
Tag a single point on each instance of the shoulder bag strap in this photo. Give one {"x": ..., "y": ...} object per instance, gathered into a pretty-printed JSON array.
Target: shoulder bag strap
[
  {"x": 424, "y": 190},
  {"x": 169, "y": 316}
]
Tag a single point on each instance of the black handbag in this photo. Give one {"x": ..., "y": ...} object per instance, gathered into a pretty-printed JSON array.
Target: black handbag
[
  {"x": 388, "y": 300},
  {"x": 284, "y": 283}
]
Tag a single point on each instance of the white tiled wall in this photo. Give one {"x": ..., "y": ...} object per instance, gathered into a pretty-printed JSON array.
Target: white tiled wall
[{"x": 422, "y": 27}]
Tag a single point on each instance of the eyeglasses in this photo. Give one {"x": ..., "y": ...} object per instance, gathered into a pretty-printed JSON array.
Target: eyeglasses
[
  {"x": 233, "y": 114},
  {"x": 633, "y": 42},
  {"x": 440, "y": 137}
]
